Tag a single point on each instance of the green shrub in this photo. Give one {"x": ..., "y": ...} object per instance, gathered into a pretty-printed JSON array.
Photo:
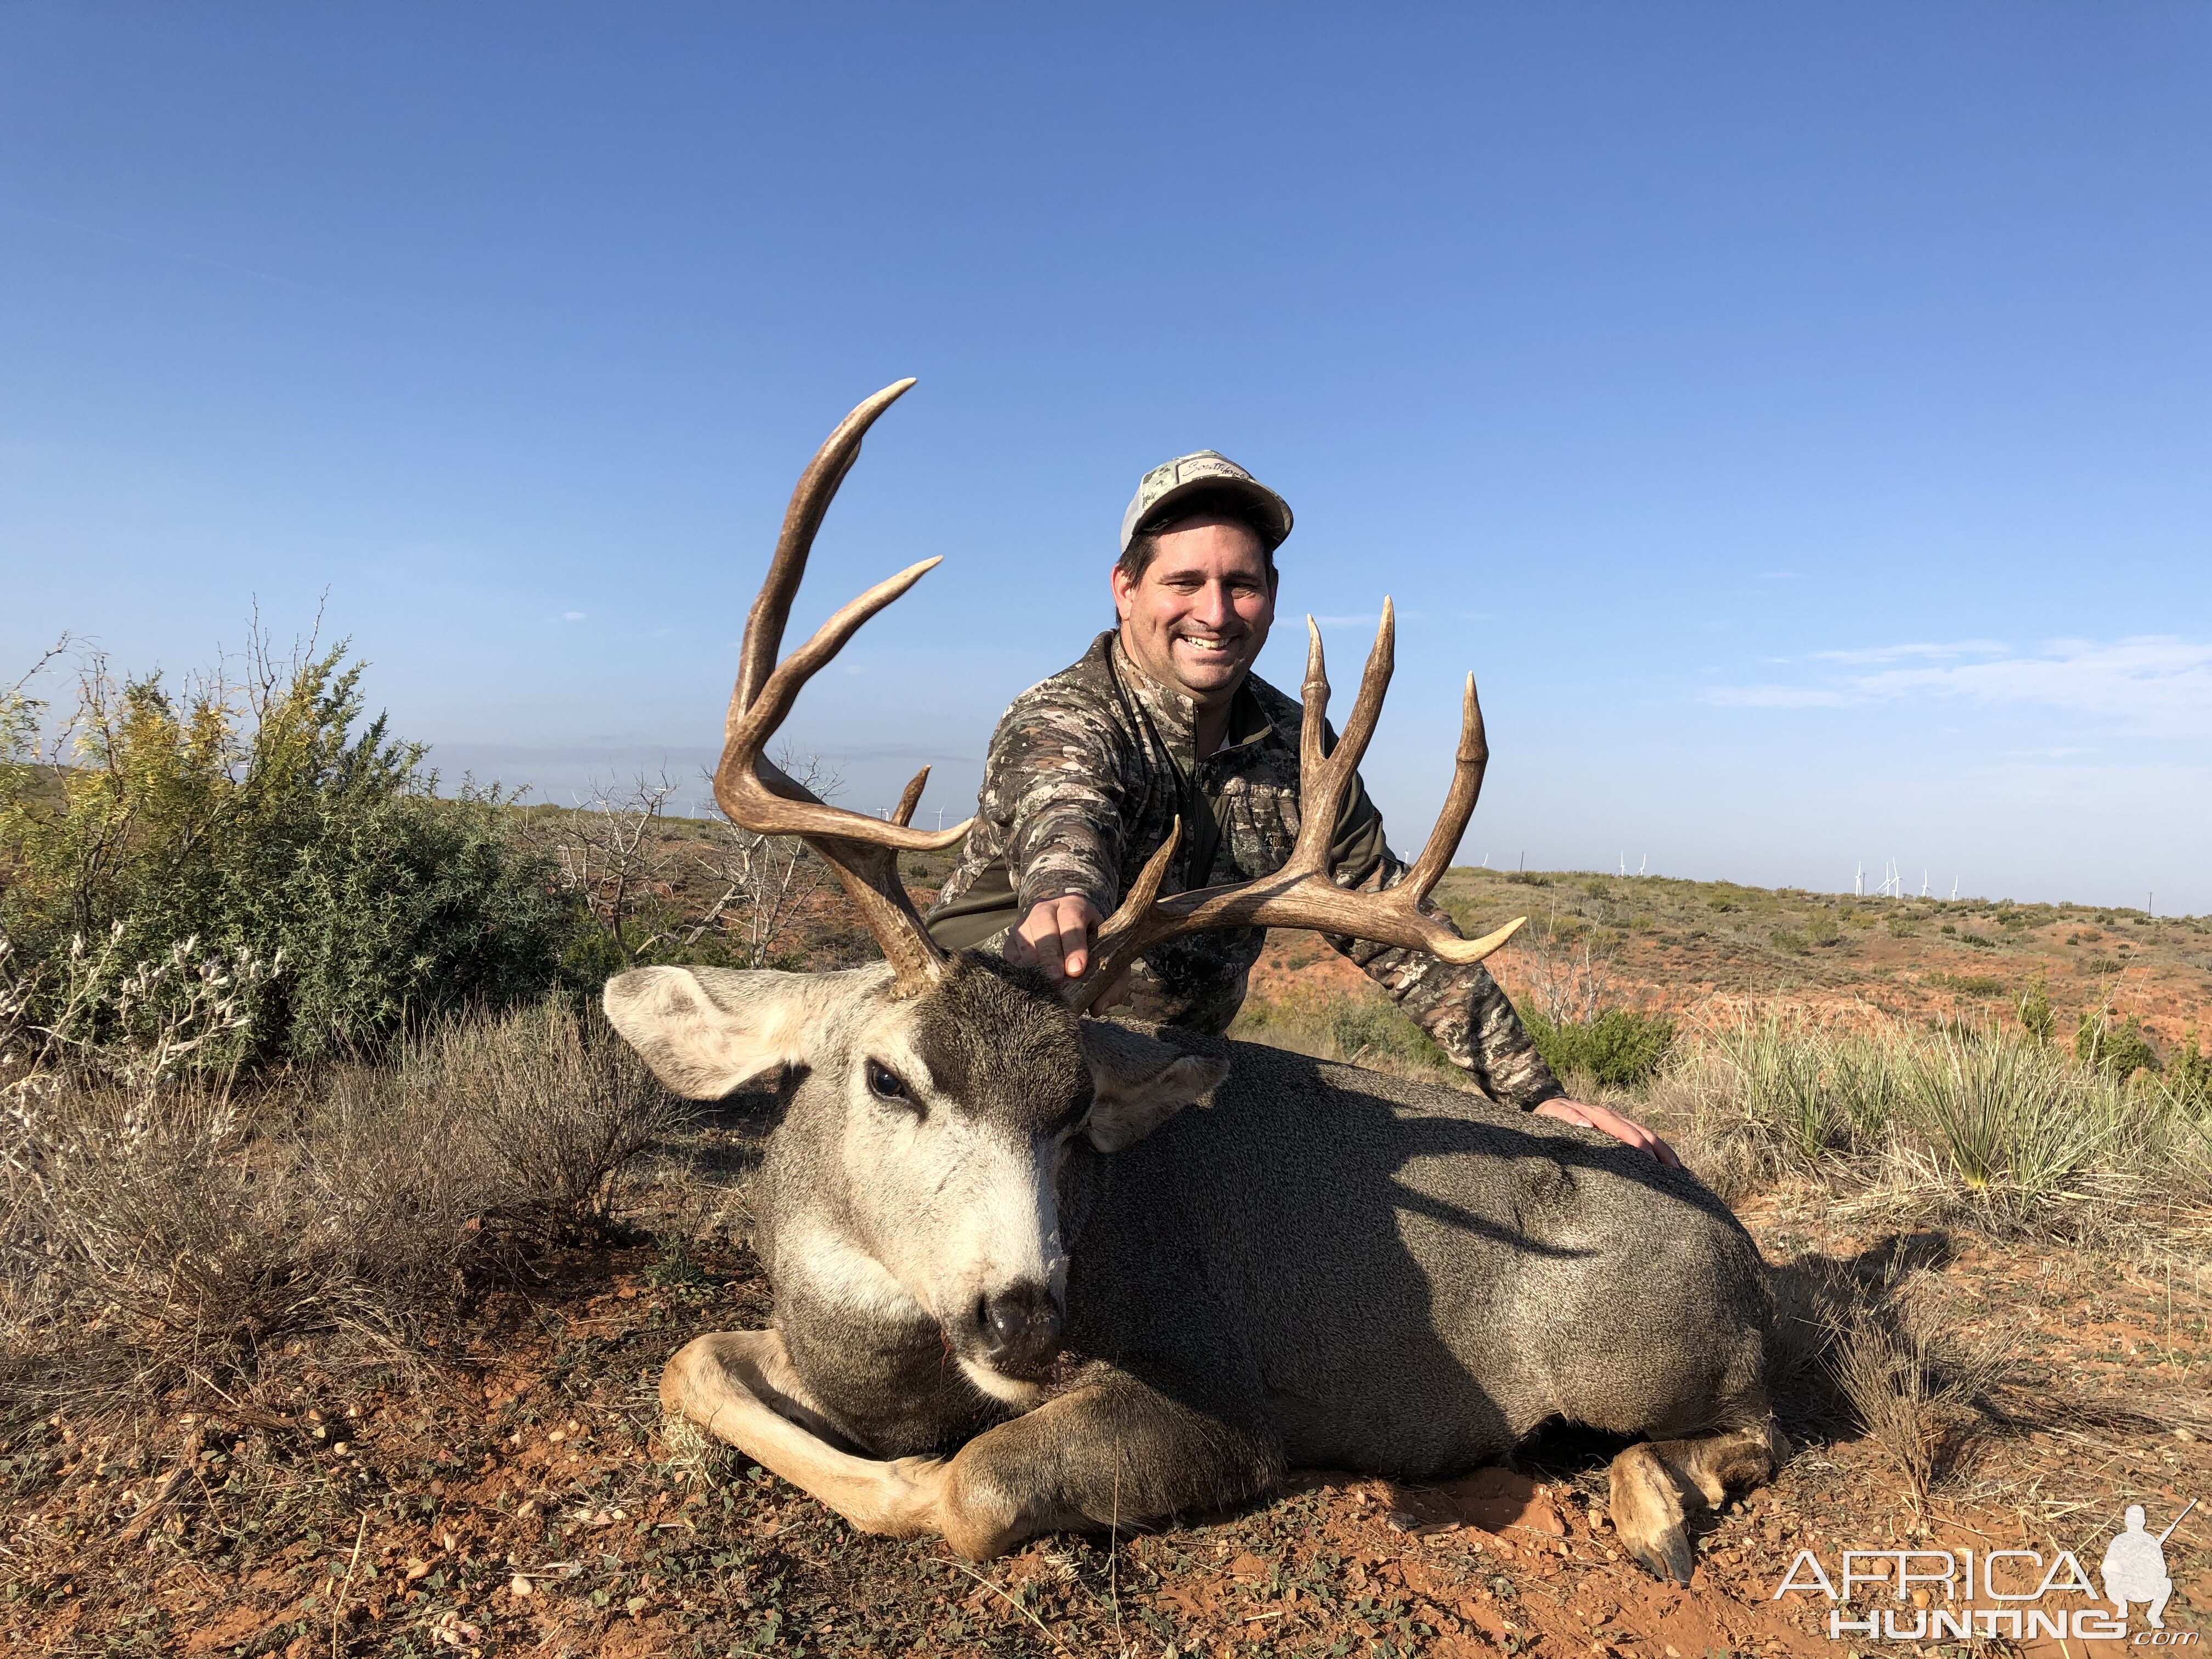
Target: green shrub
[
  {"x": 1789, "y": 940},
  {"x": 2119, "y": 1050},
  {"x": 1903, "y": 927},
  {"x": 2189, "y": 1073},
  {"x": 2033, "y": 1006},
  {"x": 1966, "y": 985},
  {"x": 1823, "y": 929},
  {"x": 1620, "y": 1048},
  {"x": 273, "y": 828}
]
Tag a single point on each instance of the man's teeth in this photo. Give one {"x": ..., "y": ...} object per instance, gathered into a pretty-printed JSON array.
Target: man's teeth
[{"x": 1204, "y": 645}]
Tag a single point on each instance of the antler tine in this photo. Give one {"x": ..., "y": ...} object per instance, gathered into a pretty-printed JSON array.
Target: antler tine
[
  {"x": 774, "y": 702},
  {"x": 1323, "y": 782},
  {"x": 756, "y": 794},
  {"x": 910, "y": 797},
  {"x": 1468, "y": 766},
  {"x": 1124, "y": 935},
  {"x": 810, "y": 502}
]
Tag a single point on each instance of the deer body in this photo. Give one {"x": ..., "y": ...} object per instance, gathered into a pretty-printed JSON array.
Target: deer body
[
  {"x": 1313, "y": 1264},
  {"x": 1020, "y": 1287},
  {"x": 1406, "y": 1280}
]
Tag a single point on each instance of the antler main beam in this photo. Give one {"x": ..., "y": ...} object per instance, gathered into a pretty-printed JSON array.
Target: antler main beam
[
  {"x": 758, "y": 795},
  {"x": 1302, "y": 894}
]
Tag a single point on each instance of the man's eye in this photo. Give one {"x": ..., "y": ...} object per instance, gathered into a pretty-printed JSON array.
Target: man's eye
[{"x": 883, "y": 1084}]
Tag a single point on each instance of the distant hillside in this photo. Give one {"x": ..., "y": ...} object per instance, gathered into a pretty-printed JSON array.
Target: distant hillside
[{"x": 1660, "y": 943}]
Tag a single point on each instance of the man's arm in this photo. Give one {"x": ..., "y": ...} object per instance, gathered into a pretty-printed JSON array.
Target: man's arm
[{"x": 1053, "y": 779}]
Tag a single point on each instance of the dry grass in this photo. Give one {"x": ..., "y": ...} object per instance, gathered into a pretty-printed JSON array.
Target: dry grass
[
  {"x": 1922, "y": 1397},
  {"x": 190, "y": 1234},
  {"x": 1985, "y": 1128}
]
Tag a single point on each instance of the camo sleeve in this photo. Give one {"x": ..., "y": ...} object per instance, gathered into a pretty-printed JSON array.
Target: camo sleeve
[
  {"x": 1462, "y": 1009},
  {"x": 1054, "y": 780}
]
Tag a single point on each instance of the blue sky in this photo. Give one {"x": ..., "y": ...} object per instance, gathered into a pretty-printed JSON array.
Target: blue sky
[{"x": 1797, "y": 417}]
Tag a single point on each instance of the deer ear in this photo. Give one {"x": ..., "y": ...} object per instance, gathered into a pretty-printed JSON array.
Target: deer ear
[
  {"x": 1139, "y": 1083},
  {"x": 706, "y": 1031}
]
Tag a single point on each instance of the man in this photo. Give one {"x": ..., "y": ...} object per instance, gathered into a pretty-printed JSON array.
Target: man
[{"x": 1162, "y": 719}]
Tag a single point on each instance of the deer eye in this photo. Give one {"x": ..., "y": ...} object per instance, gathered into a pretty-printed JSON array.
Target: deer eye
[{"x": 883, "y": 1085}]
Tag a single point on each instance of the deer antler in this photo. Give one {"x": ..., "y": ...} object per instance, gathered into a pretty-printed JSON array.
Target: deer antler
[
  {"x": 756, "y": 794},
  {"x": 1301, "y": 894}
]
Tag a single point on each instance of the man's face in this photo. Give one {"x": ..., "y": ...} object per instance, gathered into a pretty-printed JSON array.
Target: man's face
[{"x": 1198, "y": 617}]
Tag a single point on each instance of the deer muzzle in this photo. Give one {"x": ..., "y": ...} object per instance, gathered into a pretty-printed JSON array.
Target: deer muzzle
[{"x": 1018, "y": 1329}]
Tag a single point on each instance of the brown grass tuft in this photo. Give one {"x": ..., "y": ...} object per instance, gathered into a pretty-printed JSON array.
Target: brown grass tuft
[{"x": 185, "y": 1234}]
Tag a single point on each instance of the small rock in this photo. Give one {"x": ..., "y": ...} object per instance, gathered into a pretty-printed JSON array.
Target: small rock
[
  {"x": 2183, "y": 1435},
  {"x": 518, "y": 1585},
  {"x": 1402, "y": 1520},
  {"x": 635, "y": 1605},
  {"x": 418, "y": 1568}
]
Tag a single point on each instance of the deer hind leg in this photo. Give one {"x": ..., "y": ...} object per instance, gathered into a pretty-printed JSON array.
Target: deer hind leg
[
  {"x": 739, "y": 1386},
  {"x": 1659, "y": 1484}
]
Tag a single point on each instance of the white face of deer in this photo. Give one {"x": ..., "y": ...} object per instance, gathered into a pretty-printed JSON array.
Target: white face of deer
[{"x": 946, "y": 1114}]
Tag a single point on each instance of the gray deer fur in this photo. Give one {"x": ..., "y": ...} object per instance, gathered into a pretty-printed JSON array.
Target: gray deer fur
[{"x": 1315, "y": 1265}]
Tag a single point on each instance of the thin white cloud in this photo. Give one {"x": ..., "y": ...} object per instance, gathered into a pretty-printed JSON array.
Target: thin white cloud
[
  {"x": 572, "y": 616},
  {"x": 2150, "y": 681},
  {"x": 1906, "y": 653},
  {"x": 1780, "y": 696}
]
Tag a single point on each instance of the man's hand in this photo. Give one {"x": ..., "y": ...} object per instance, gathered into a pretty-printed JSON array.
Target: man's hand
[
  {"x": 1620, "y": 1128},
  {"x": 1056, "y": 936}
]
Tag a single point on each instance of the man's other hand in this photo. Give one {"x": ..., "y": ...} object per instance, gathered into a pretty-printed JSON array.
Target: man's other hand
[
  {"x": 1620, "y": 1128},
  {"x": 1056, "y": 936}
]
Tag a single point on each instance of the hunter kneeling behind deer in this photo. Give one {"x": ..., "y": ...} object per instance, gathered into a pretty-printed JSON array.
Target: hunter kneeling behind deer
[{"x": 1019, "y": 1288}]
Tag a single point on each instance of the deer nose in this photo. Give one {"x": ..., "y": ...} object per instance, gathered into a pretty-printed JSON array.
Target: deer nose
[{"x": 1020, "y": 1326}]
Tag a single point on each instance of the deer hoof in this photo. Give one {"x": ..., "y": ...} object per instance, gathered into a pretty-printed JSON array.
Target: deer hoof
[
  {"x": 1646, "y": 1506},
  {"x": 1667, "y": 1558}
]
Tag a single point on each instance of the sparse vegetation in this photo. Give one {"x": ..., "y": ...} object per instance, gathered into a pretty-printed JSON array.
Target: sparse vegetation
[{"x": 156, "y": 1234}]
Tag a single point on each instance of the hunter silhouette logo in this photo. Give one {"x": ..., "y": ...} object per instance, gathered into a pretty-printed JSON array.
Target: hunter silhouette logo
[
  {"x": 1944, "y": 1587},
  {"x": 2134, "y": 1566}
]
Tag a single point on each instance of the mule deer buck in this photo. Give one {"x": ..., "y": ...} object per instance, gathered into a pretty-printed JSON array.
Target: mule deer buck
[{"x": 1019, "y": 1288}]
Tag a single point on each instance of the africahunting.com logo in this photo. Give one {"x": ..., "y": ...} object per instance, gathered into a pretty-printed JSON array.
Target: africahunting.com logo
[{"x": 2001, "y": 1593}]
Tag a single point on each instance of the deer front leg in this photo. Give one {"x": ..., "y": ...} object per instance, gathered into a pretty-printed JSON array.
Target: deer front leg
[
  {"x": 739, "y": 1387},
  {"x": 1113, "y": 1450}
]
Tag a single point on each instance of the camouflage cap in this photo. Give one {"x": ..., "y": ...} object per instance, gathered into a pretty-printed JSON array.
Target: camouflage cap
[{"x": 1206, "y": 470}]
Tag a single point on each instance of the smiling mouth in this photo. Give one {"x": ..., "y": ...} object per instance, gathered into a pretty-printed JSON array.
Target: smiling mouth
[{"x": 1209, "y": 648}]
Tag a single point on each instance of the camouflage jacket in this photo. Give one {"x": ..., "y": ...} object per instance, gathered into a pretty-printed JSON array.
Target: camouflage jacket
[{"x": 1086, "y": 773}]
